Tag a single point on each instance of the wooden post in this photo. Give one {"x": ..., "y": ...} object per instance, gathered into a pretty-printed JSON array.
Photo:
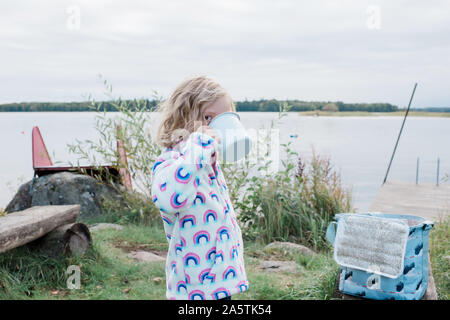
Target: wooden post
[{"x": 72, "y": 239}]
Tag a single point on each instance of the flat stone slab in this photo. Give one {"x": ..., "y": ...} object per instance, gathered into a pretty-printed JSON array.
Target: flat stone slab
[
  {"x": 145, "y": 256},
  {"x": 279, "y": 266},
  {"x": 290, "y": 247},
  {"x": 103, "y": 226}
]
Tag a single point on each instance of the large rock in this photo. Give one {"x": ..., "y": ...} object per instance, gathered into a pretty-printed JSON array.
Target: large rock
[{"x": 66, "y": 188}]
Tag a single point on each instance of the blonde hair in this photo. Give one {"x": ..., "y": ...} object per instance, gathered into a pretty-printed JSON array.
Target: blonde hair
[{"x": 184, "y": 109}]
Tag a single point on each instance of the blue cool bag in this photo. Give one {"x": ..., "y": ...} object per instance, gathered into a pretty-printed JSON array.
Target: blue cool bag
[{"x": 381, "y": 256}]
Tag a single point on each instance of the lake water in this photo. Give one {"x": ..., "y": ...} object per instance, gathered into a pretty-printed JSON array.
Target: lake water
[{"x": 359, "y": 147}]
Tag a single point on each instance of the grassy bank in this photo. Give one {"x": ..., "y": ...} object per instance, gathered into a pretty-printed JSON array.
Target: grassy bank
[
  {"x": 373, "y": 114},
  {"x": 107, "y": 272}
]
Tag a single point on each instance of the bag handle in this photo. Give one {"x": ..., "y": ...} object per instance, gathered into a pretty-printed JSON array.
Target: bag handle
[
  {"x": 429, "y": 224},
  {"x": 331, "y": 232}
]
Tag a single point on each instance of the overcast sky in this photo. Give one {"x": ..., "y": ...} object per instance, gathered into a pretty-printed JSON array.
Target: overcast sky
[{"x": 352, "y": 51}]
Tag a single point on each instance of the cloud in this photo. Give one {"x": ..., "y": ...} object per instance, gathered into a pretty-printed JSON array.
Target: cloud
[{"x": 310, "y": 50}]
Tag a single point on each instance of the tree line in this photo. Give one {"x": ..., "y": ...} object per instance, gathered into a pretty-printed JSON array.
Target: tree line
[
  {"x": 298, "y": 106},
  {"x": 264, "y": 105}
]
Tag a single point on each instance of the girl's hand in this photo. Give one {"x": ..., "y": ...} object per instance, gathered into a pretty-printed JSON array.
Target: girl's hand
[{"x": 210, "y": 132}]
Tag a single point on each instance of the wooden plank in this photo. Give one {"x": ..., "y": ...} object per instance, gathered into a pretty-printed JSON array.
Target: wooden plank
[
  {"x": 425, "y": 199},
  {"x": 21, "y": 227}
]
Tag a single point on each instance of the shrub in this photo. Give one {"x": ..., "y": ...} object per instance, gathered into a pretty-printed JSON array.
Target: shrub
[{"x": 294, "y": 204}]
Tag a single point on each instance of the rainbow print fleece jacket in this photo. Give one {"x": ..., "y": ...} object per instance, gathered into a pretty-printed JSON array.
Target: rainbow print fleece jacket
[{"x": 205, "y": 257}]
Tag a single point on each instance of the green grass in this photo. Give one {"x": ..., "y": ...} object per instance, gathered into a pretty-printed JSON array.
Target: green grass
[
  {"x": 440, "y": 257},
  {"x": 107, "y": 273},
  {"x": 314, "y": 280},
  {"x": 373, "y": 114}
]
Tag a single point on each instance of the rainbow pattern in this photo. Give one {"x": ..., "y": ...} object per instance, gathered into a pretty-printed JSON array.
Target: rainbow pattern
[
  {"x": 163, "y": 186},
  {"x": 175, "y": 203},
  {"x": 234, "y": 252},
  {"x": 179, "y": 176},
  {"x": 206, "y": 275},
  {"x": 196, "y": 182},
  {"x": 178, "y": 248},
  {"x": 157, "y": 163},
  {"x": 214, "y": 196},
  {"x": 204, "y": 144},
  {"x": 227, "y": 210},
  {"x": 219, "y": 255},
  {"x": 209, "y": 215},
  {"x": 198, "y": 162},
  {"x": 196, "y": 295},
  {"x": 220, "y": 293},
  {"x": 223, "y": 231},
  {"x": 199, "y": 235},
  {"x": 191, "y": 257},
  {"x": 187, "y": 219},
  {"x": 197, "y": 214},
  {"x": 181, "y": 285},
  {"x": 242, "y": 286},
  {"x": 211, "y": 254},
  {"x": 200, "y": 197},
  {"x": 166, "y": 220},
  {"x": 173, "y": 266},
  {"x": 230, "y": 271}
]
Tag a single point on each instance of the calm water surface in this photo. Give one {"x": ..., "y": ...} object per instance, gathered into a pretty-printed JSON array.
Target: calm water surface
[{"x": 359, "y": 147}]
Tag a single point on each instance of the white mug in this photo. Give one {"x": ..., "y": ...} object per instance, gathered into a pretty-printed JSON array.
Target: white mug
[{"x": 236, "y": 143}]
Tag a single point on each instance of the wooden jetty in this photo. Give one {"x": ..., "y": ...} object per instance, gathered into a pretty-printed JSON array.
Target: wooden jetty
[{"x": 425, "y": 199}]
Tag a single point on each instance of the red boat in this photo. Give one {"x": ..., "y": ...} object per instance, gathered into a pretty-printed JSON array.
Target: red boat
[{"x": 43, "y": 165}]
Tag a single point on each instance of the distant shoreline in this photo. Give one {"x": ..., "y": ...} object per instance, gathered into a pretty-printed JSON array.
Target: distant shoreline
[
  {"x": 307, "y": 108},
  {"x": 411, "y": 113}
]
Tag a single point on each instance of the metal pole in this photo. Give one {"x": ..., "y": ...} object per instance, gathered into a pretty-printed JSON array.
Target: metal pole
[
  {"x": 400, "y": 133},
  {"x": 437, "y": 175},
  {"x": 417, "y": 171}
]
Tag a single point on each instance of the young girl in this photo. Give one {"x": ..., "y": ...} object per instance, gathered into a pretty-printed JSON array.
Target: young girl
[{"x": 205, "y": 258}]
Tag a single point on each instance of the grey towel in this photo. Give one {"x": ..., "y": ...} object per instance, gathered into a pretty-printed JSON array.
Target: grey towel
[{"x": 373, "y": 244}]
